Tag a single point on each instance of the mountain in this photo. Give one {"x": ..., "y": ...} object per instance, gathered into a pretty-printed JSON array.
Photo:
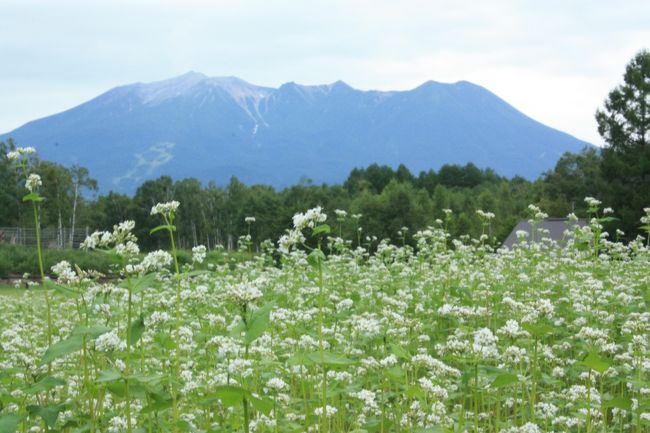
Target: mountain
[{"x": 214, "y": 128}]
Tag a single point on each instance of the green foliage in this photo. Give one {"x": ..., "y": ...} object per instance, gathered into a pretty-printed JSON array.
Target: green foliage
[
  {"x": 9, "y": 423},
  {"x": 624, "y": 124},
  {"x": 17, "y": 260},
  {"x": 257, "y": 323}
]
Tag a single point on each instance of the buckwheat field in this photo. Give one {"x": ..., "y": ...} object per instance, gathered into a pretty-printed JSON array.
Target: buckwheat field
[{"x": 313, "y": 335}]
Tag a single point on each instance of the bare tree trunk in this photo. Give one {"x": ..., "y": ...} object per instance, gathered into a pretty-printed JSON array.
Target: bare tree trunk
[
  {"x": 74, "y": 213},
  {"x": 60, "y": 240}
]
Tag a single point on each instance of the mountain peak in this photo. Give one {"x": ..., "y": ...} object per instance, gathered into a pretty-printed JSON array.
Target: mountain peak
[
  {"x": 191, "y": 75},
  {"x": 193, "y": 84},
  {"x": 275, "y": 136}
]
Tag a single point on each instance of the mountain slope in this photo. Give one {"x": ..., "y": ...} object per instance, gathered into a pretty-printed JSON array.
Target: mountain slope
[{"x": 213, "y": 128}]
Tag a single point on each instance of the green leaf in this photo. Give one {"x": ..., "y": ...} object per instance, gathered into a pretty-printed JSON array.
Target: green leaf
[
  {"x": 164, "y": 340},
  {"x": 299, "y": 359},
  {"x": 258, "y": 323},
  {"x": 264, "y": 405},
  {"x": 619, "y": 403},
  {"x": 229, "y": 395},
  {"x": 146, "y": 378},
  {"x": 163, "y": 227},
  {"x": 400, "y": 352},
  {"x": 157, "y": 406},
  {"x": 65, "y": 291},
  {"x": 504, "y": 379},
  {"x": 140, "y": 283},
  {"x": 45, "y": 384},
  {"x": 136, "y": 330},
  {"x": 396, "y": 373},
  {"x": 48, "y": 413},
  {"x": 238, "y": 329},
  {"x": 33, "y": 196},
  {"x": 330, "y": 359},
  {"x": 415, "y": 392},
  {"x": 90, "y": 331},
  {"x": 595, "y": 362},
  {"x": 109, "y": 376},
  {"x": 9, "y": 423},
  {"x": 538, "y": 330},
  {"x": 436, "y": 429},
  {"x": 316, "y": 258},
  {"x": 62, "y": 348},
  {"x": 322, "y": 229}
]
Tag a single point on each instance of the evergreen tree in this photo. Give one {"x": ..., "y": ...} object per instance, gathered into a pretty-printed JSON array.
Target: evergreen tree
[{"x": 624, "y": 124}]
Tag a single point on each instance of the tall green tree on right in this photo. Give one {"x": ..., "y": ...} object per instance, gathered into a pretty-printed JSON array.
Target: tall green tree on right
[{"x": 624, "y": 124}]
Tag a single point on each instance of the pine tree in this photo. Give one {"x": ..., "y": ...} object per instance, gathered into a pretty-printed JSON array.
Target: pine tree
[{"x": 624, "y": 124}]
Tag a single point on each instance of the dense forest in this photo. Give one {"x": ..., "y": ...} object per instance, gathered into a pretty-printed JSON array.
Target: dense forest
[{"x": 379, "y": 199}]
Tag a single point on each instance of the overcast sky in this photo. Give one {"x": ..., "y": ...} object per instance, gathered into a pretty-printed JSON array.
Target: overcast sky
[{"x": 554, "y": 60}]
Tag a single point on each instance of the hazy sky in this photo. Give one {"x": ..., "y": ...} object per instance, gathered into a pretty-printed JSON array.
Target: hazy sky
[{"x": 554, "y": 60}]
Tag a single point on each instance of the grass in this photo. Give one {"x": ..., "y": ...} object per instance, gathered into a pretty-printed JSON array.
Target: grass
[{"x": 10, "y": 290}]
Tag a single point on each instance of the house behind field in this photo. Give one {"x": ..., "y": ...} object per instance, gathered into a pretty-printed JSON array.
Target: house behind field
[{"x": 550, "y": 227}]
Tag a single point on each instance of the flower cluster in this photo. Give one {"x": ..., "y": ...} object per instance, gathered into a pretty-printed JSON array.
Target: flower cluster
[
  {"x": 167, "y": 209},
  {"x": 199, "y": 253},
  {"x": 15, "y": 155},
  {"x": 309, "y": 219},
  {"x": 121, "y": 238},
  {"x": 33, "y": 182}
]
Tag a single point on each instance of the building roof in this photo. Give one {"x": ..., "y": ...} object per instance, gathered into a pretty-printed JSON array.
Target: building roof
[{"x": 552, "y": 227}]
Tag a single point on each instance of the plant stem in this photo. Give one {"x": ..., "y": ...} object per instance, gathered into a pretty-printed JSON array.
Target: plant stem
[
  {"x": 177, "y": 358},
  {"x": 127, "y": 364},
  {"x": 37, "y": 226},
  {"x": 321, "y": 349}
]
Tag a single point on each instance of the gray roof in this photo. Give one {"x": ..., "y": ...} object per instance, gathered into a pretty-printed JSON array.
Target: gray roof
[{"x": 553, "y": 226}]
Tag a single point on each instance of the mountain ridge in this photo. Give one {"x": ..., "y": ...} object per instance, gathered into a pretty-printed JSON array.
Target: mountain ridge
[{"x": 216, "y": 127}]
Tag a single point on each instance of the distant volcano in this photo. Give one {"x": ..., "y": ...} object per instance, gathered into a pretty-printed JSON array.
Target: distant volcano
[{"x": 214, "y": 128}]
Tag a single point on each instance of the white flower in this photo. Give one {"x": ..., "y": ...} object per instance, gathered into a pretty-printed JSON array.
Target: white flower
[
  {"x": 511, "y": 329},
  {"x": 485, "y": 343},
  {"x": 485, "y": 215},
  {"x": 292, "y": 238},
  {"x": 26, "y": 150},
  {"x": 33, "y": 182},
  {"x": 199, "y": 253},
  {"x": 64, "y": 271},
  {"x": 165, "y": 209},
  {"x": 243, "y": 293},
  {"x": 109, "y": 342},
  {"x": 155, "y": 261},
  {"x": 117, "y": 424},
  {"x": 592, "y": 202},
  {"x": 129, "y": 249},
  {"x": 16, "y": 154},
  {"x": 369, "y": 399},
  {"x": 330, "y": 411},
  {"x": 276, "y": 384},
  {"x": 309, "y": 219}
]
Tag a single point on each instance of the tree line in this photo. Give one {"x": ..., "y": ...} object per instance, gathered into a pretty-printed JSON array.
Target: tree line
[
  {"x": 385, "y": 202},
  {"x": 382, "y": 201}
]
